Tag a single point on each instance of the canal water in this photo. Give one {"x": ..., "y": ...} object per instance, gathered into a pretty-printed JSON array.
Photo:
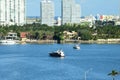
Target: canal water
[{"x": 32, "y": 62}]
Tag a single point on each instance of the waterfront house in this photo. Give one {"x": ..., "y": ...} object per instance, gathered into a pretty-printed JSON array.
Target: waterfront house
[
  {"x": 70, "y": 35},
  {"x": 12, "y": 36},
  {"x": 23, "y": 36}
]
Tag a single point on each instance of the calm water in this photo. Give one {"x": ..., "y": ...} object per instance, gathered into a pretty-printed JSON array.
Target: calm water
[{"x": 32, "y": 62}]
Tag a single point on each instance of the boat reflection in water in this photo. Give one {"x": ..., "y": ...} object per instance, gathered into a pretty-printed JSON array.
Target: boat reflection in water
[{"x": 58, "y": 53}]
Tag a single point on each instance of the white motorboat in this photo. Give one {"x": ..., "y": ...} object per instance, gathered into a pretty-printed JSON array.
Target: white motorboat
[
  {"x": 10, "y": 39},
  {"x": 76, "y": 47},
  {"x": 58, "y": 53},
  {"x": 8, "y": 42}
]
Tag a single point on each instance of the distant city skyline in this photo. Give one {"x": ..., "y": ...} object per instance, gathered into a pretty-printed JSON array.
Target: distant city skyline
[{"x": 88, "y": 7}]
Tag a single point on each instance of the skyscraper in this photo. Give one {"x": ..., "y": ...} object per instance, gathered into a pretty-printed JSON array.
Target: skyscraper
[
  {"x": 70, "y": 12},
  {"x": 47, "y": 12},
  {"x": 12, "y": 12}
]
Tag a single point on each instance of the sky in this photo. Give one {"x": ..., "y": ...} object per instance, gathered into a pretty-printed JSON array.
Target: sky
[{"x": 88, "y": 7}]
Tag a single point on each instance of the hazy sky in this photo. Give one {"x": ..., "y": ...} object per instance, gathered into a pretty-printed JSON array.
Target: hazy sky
[{"x": 94, "y": 7}]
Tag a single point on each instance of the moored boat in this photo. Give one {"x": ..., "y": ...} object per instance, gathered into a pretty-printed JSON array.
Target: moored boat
[
  {"x": 8, "y": 42},
  {"x": 9, "y": 39}
]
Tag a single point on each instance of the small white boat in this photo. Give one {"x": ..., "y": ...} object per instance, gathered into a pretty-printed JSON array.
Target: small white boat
[
  {"x": 8, "y": 42},
  {"x": 9, "y": 39},
  {"x": 76, "y": 47},
  {"x": 58, "y": 53}
]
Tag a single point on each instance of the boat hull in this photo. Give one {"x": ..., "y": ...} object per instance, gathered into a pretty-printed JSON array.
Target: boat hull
[
  {"x": 56, "y": 55},
  {"x": 76, "y": 47},
  {"x": 7, "y": 42}
]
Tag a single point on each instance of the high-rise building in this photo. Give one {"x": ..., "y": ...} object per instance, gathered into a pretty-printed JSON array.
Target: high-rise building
[
  {"x": 70, "y": 12},
  {"x": 12, "y": 12},
  {"x": 47, "y": 12}
]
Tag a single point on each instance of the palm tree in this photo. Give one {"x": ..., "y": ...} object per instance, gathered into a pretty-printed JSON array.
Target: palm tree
[{"x": 113, "y": 74}]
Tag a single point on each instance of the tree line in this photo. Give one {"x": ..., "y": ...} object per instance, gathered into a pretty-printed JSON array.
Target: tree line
[{"x": 42, "y": 32}]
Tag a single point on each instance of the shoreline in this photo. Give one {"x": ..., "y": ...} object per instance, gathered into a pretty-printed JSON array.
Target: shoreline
[{"x": 99, "y": 41}]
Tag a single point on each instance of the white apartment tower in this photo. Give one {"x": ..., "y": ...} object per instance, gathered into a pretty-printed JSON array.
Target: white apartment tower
[
  {"x": 12, "y": 12},
  {"x": 47, "y": 12},
  {"x": 71, "y": 12}
]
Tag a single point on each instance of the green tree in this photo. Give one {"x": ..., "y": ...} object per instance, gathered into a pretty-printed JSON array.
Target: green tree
[
  {"x": 85, "y": 35},
  {"x": 37, "y": 35}
]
